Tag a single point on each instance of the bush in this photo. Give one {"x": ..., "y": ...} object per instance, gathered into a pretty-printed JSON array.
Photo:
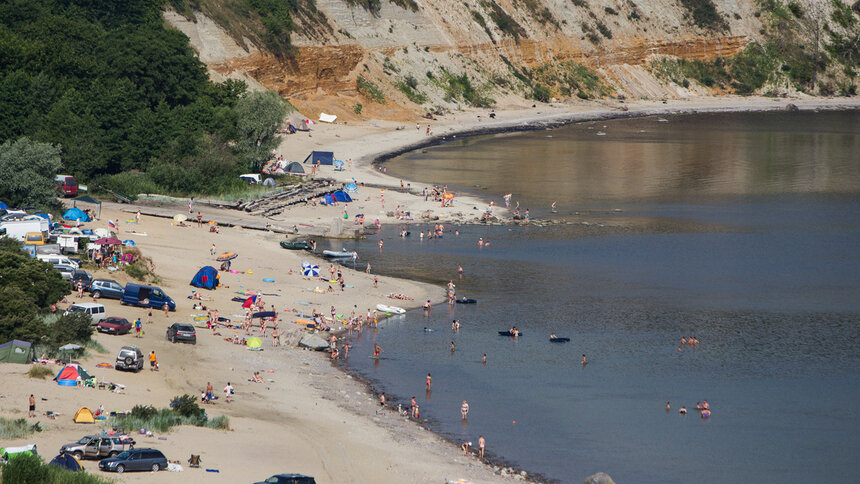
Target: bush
[
  {"x": 17, "y": 429},
  {"x": 186, "y": 405},
  {"x": 369, "y": 90},
  {"x": 408, "y": 86},
  {"x": 541, "y": 92},
  {"x": 357, "y": 108},
  {"x": 705, "y": 14},
  {"x": 39, "y": 371},
  {"x": 144, "y": 411},
  {"x": 29, "y": 469}
]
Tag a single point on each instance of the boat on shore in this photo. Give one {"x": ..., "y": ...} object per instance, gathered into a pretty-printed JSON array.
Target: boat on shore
[
  {"x": 337, "y": 254},
  {"x": 390, "y": 309},
  {"x": 296, "y": 245}
]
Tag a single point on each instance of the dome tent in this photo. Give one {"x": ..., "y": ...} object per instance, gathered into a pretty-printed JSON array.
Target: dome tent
[
  {"x": 206, "y": 277},
  {"x": 76, "y": 214},
  {"x": 70, "y": 375}
]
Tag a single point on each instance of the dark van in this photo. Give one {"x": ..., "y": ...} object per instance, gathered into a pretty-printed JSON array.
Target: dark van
[
  {"x": 67, "y": 186},
  {"x": 146, "y": 296}
]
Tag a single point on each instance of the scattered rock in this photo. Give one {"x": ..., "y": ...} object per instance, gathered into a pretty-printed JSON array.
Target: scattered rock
[
  {"x": 599, "y": 478},
  {"x": 791, "y": 107}
]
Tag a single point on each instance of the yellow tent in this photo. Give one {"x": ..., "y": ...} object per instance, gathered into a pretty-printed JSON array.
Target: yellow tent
[{"x": 84, "y": 415}]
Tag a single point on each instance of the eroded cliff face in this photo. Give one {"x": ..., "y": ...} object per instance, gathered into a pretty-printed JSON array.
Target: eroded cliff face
[{"x": 409, "y": 55}]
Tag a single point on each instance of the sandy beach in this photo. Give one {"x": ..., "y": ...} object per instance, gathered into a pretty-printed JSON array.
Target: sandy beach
[{"x": 308, "y": 416}]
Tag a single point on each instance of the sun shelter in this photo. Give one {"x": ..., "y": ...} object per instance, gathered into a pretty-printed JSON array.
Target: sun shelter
[
  {"x": 16, "y": 351},
  {"x": 8, "y": 453},
  {"x": 67, "y": 461},
  {"x": 70, "y": 375},
  {"x": 249, "y": 302},
  {"x": 295, "y": 168},
  {"x": 324, "y": 157},
  {"x": 328, "y": 199},
  {"x": 90, "y": 200},
  {"x": 341, "y": 196},
  {"x": 84, "y": 415},
  {"x": 76, "y": 214},
  {"x": 206, "y": 277}
]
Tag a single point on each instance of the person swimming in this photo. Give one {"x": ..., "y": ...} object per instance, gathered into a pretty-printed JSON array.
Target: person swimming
[
  {"x": 427, "y": 330},
  {"x": 552, "y": 336},
  {"x": 683, "y": 410}
]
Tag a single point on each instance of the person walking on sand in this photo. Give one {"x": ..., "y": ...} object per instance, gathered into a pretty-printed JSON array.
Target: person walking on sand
[
  {"x": 31, "y": 413},
  {"x": 153, "y": 361},
  {"x": 191, "y": 205},
  {"x": 166, "y": 310},
  {"x": 228, "y": 392},
  {"x": 138, "y": 328},
  {"x": 464, "y": 410},
  {"x": 429, "y": 383},
  {"x": 209, "y": 391},
  {"x": 149, "y": 317},
  {"x": 481, "y": 444}
]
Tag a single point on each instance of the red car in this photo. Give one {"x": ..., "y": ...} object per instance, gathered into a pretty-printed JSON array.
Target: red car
[{"x": 114, "y": 325}]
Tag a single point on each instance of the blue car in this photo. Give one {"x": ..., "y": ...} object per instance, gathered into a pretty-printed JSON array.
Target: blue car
[
  {"x": 107, "y": 288},
  {"x": 135, "y": 460}
]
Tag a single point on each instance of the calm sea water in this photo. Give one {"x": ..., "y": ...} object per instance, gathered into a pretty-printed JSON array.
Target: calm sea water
[{"x": 740, "y": 229}]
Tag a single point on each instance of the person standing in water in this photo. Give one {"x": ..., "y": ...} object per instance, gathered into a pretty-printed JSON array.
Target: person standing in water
[
  {"x": 429, "y": 383},
  {"x": 376, "y": 351},
  {"x": 584, "y": 361},
  {"x": 484, "y": 359},
  {"x": 481, "y": 444},
  {"x": 464, "y": 410}
]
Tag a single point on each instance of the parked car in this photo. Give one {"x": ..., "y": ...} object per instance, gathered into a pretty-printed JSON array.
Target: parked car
[
  {"x": 34, "y": 238},
  {"x": 56, "y": 259},
  {"x": 146, "y": 296},
  {"x": 65, "y": 271},
  {"x": 129, "y": 358},
  {"x": 67, "y": 186},
  {"x": 181, "y": 332},
  {"x": 97, "y": 311},
  {"x": 97, "y": 446},
  {"x": 288, "y": 479},
  {"x": 107, "y": 288},
  {"x": 135, "y": 460},
  {"x": 81, "y": 275},
  {"x": 114, "y": 325}
]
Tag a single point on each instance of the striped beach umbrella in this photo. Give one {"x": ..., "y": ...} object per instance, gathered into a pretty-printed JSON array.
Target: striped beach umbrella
[{"x": 311, "y": 271}]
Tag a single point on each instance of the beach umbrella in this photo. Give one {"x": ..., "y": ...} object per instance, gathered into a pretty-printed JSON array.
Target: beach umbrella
[
  {"x": 129, "y": 243},
  {"x": 227, "y": 256},
  {"x": 305, "y": 265},
  {"x": 100, "y": 232},
  {"x": 180, "y": 218},
  {"x": 448, "y": 196},
  {"x": 108, "y": 241},
  {"x": 70, "y": 347},
  {"x": 248, "y": 302},
  {"x": 311, "y": 271},
  {"x": 264, "y": 314},
  {"x": 254, "y": 342},
  {"x": 351, "y": 188},
  {"x": 338, "y": 163}
]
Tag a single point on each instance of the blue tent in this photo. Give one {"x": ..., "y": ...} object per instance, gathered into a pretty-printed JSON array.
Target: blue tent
[
  {"x": 67, "y": 461},
  {"x": 207, "y": 277},
  {"x": 324, "y": 157},
  {"x": 328, "y": 199},
  {"x": 4, "y": 206},
  {"x": 341, "y": 196},
  {"x": 76, "y": 214}
]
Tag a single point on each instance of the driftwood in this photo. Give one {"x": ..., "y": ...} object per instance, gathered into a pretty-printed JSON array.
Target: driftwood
[{"x": 276, "y": 203}]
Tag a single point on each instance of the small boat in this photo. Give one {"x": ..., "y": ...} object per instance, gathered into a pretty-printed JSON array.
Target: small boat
[
  {"x": 296, "y": 245},
  {"x": 337, "y": 254},
  {"x": 390, "y": 309},
  {"x": 508, "y": 333},
  {"x": 464, "y": 300},
  {"x": 559, "y": 340}
]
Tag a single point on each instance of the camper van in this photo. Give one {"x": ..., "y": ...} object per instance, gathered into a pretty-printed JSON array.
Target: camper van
[
  {"x": 67, "y": 186},
  {"x": 19, "y": 227},
  {"x": 146, "y": 296}
]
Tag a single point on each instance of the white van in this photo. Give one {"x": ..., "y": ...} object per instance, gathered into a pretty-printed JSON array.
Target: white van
[
  {"x": 97, "y": 311},
  {"x": 56, "y": 259}
]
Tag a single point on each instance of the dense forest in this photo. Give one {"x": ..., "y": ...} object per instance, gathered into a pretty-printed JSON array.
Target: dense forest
[{"x": 125, "y": 99}]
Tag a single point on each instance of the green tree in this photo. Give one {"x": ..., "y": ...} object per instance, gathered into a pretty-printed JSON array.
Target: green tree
[
  {"x": 28, "y": 170},
  {"x": 259, "y": 115}
]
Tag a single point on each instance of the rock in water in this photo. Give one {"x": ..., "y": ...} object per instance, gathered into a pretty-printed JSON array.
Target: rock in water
[
  {"x": 791, "y": 107},
  {"x": 599, "y": 478}
]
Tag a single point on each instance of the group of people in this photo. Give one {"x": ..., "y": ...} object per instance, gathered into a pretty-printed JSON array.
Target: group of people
[
  {"x": 208, "y": 394},
  {"x": 692, "y": 342},
  {"x": 703, "y": 407}
]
